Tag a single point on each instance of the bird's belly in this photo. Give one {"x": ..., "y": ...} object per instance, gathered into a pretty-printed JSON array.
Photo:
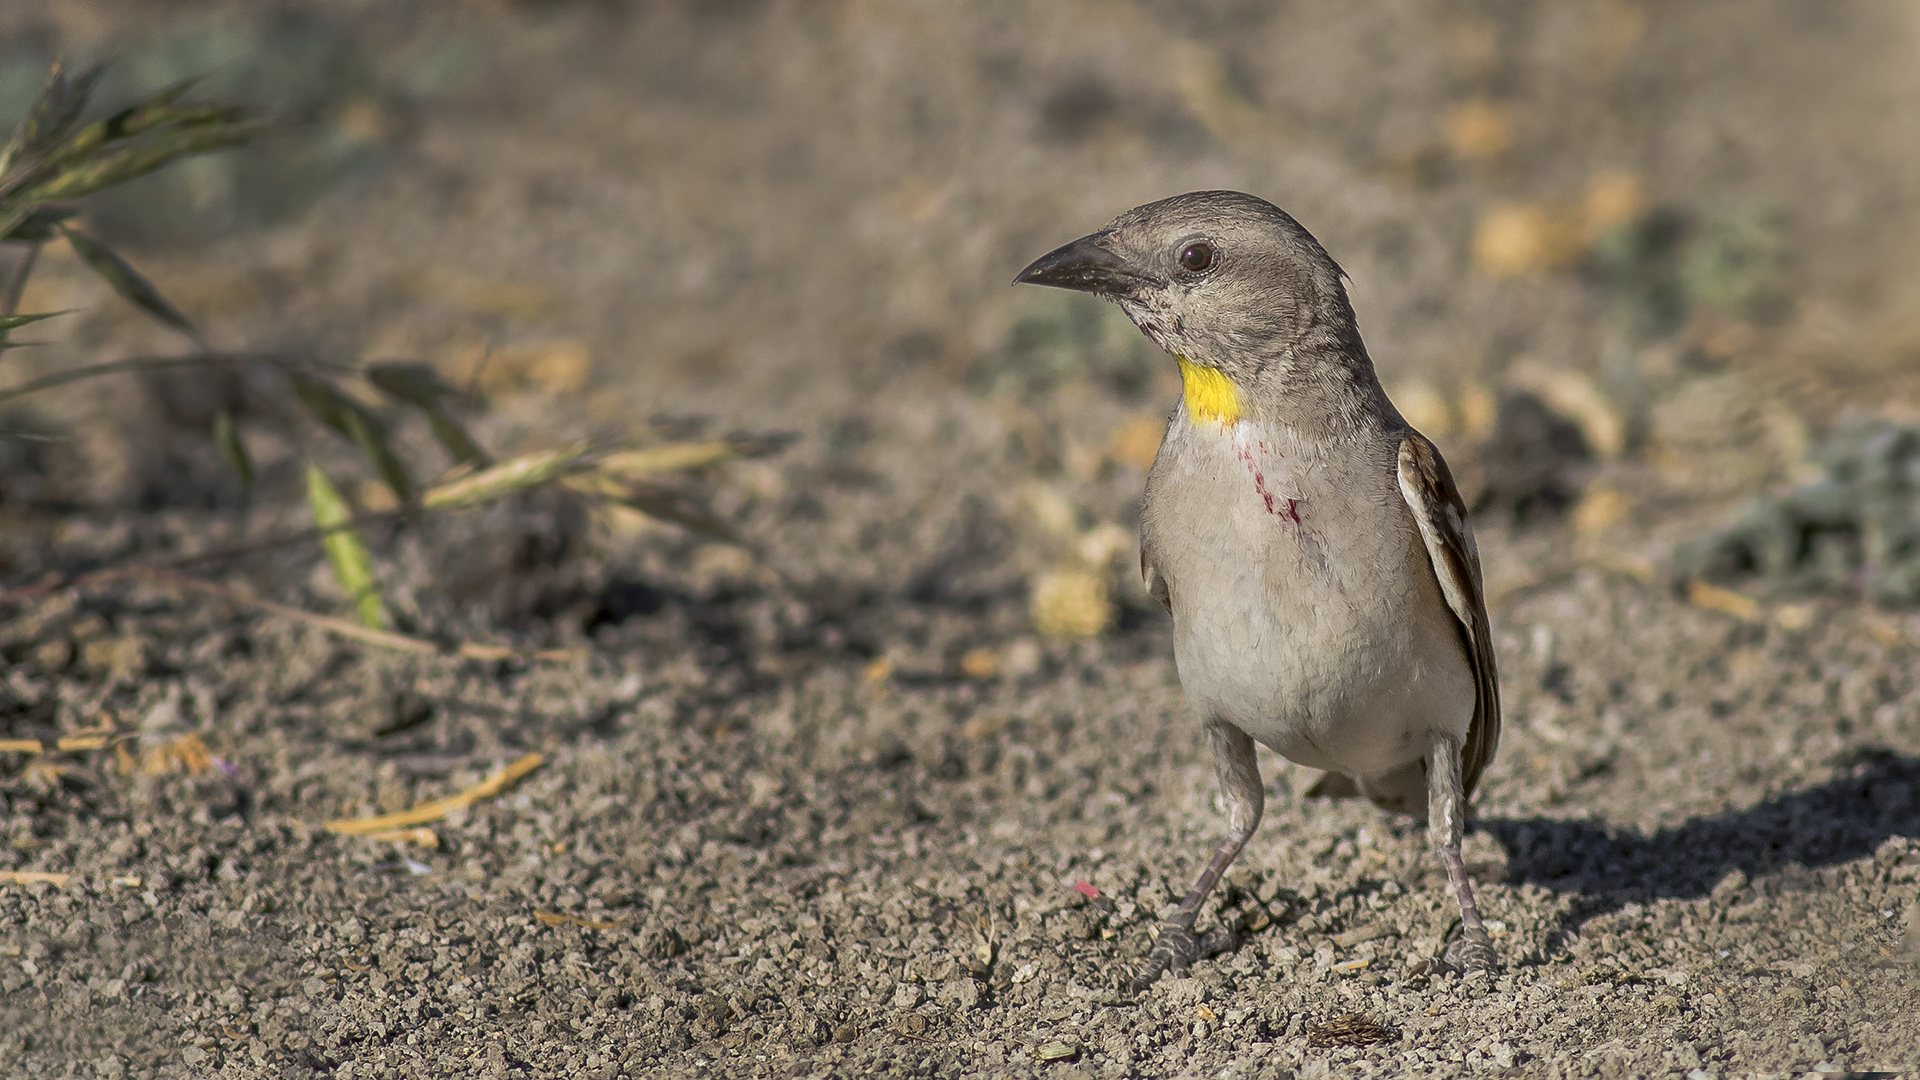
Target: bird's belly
[{"x": 1344, "y": 672}]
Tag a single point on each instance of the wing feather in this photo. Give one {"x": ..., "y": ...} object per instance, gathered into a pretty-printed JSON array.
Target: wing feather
[
  {"x": 1441, "y": 515},
  {"x": 1155, "y": 582}
]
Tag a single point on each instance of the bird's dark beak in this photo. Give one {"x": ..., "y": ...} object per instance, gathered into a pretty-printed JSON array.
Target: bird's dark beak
[{"x": 1086, "y": 265}]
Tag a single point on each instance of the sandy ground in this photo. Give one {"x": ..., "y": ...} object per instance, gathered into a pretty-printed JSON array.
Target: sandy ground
[{"x": 836, "y": 820}]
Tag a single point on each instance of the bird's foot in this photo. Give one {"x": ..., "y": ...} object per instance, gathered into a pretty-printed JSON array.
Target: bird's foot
[
  {"x": 1177, "y": 948},
  {"x": 1471, "y": 952},
  {"x": 1175, "y": 951},
  {"x": 1220, "y": 939}
]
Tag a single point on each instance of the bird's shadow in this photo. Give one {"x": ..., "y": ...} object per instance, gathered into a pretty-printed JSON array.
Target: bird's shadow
[{"x": 1875, "y": 795}]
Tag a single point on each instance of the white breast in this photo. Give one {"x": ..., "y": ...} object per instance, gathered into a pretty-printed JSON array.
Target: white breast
[{"x": 1305, "y": 610}]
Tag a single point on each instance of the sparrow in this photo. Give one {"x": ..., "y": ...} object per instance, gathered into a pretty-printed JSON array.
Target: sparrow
[{"x": 1311, "y": 546}]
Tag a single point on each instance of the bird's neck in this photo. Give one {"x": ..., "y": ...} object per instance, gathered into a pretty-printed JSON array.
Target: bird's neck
[
  {"x": 1318, "y": 400},
  {"x": 1211, "y": 396}
]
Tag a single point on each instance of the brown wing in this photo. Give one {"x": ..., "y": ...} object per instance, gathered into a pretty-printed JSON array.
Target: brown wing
[{"x": 1442, "y": 517}]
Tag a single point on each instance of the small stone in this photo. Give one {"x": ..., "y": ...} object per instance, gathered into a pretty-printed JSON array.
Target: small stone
[
  {"x": 120, "y": 658},
  {"x": 1729, "y": 886},
  {"x": 962, "y": 993},
  {"x": 845, "y": 1033},
  {"x": 908, "y": 995},
  {"x": 1024, "y": 657},
  {"x": 1058, "y": 1050},
  {"x": 980, "y": 664},
  {"x": 53, "y": 655},
  {"x": 711, "y": 1014},
  {"x": 1360, "y": 935},
  {"x": 1071, "y": 602}
]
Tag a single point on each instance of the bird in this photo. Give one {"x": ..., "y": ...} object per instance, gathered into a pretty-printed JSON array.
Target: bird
[{"x": 1311, "y": 546}]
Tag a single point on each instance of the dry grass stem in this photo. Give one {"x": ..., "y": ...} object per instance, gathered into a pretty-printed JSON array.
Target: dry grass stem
[
  {"x": 34, "y": 877},
  {"x": 346, "y": 628},
  {"x": 554, "y": 918},
  {"x": 419, "y": 836},
  {"x": 510, "y": 477},
  {"x": 438, "y": 808},
  {"x": 1724, "y": 601}
]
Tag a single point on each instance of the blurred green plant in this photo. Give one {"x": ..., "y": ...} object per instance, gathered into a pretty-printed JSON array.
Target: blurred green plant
[
  {"x": 1066, "y": 336},
  {"x": 1857, "y": 528},
  {"x": 342, "y": 94},
  {"x": 55, "y": 159},
  {"x": 1670, "y": 265}
]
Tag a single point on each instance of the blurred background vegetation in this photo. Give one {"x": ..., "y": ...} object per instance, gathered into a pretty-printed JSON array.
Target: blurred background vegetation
[{"x": 1629, "y": 263}]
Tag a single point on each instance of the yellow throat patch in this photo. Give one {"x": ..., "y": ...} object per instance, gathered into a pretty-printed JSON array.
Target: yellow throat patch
[{"x": 1210, "y": 395}]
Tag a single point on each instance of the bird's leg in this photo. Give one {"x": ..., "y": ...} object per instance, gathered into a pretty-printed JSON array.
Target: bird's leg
[
  {"x": 1238, "y": 769},
  {"x": 1446, "y": 807}
]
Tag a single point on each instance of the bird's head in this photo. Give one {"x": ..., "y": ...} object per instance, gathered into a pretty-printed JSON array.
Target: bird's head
[{"x": 1228, "y": 283}]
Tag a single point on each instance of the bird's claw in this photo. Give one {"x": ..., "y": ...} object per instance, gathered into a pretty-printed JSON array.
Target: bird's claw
[
  {"x": 1218, "y": 940},
  {"x": 1472, "y": 952},
  {"x": 1177, "y": 948},
  {"x": 1175, "y": 951}
]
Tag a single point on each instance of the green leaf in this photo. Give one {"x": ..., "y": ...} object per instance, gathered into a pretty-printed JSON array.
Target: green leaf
[
  {"x": 325, "y": 401},
  {"x": 53, "y": 114},
  {"x": 10, "y": 322},
  {"x": 454, "y": 438},
  {"x": 371, "y": 436},
  {"x": 160, "y": 110},
  {"x": 331, "y": 406},
  {"x": 117, "y": 164},
  {"x": 352, "y": 566},
  {"x": 148, "y": 127},
  {"x": 227, "y": 436},
  {"x": 408, "y": 381},
  {"x": 420, "y": 386},
  {"x": 128, "y": 283},
  {"x": 37, "y": 226},
  {"x": 11, "y": 219},
  {"x": 678, "y": 507}
]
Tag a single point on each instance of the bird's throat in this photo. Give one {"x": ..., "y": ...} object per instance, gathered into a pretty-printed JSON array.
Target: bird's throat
[{"x": 1211, "y": 396}]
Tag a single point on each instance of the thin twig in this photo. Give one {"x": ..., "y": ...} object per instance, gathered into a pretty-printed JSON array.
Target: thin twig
[
  {"x": 111, "y": 367},
  {"x": 161, "y": 363},
  {"x": 69, "y": 580},
  {"x": 459, "y": 494},
  {"x": 343, "y": 627},
  {"x": 425, "y": 502}
]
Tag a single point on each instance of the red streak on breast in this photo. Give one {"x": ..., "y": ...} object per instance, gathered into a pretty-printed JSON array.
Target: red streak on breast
[
  {"x": 1292, "y": 510},
  {"x": 1260, "y": 485}
]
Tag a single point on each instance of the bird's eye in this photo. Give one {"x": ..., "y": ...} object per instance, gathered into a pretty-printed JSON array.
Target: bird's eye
[{"x": 1196, "y": 257}]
